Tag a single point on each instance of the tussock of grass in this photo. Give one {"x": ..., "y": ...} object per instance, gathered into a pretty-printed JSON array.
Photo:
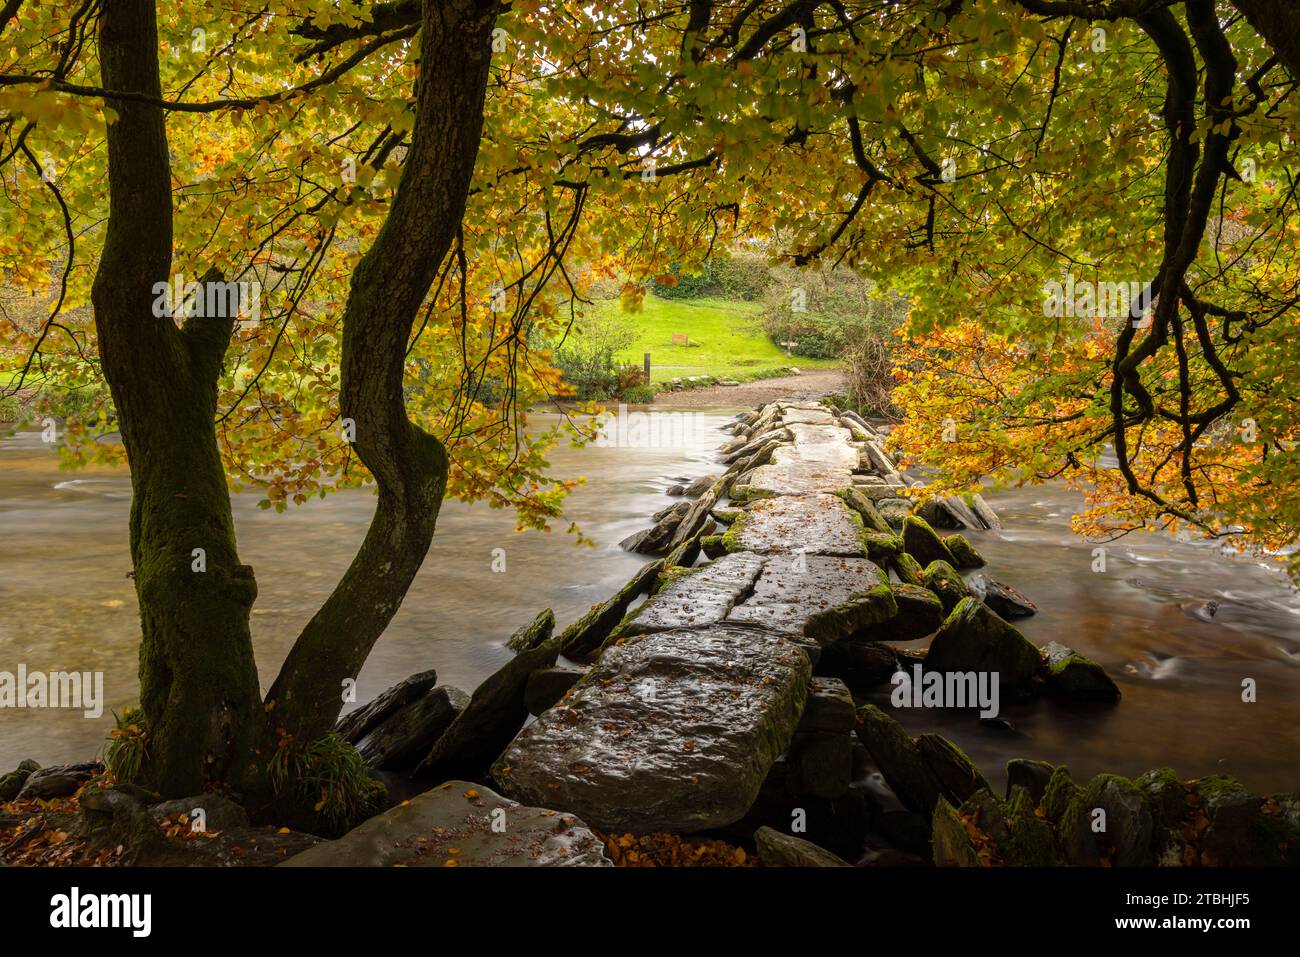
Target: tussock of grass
[{"x": 328, "y": 776}]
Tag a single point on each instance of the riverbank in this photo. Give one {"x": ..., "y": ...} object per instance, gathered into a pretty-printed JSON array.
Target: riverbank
[
  {"x": 730, "y": 707},
  {"x": 809, "y": 385}
]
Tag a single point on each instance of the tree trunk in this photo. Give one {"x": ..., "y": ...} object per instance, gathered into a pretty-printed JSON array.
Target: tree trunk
[
  {"x": 388, "y": 288},
  {"x": 1278, "y": 22},
  {"x": 198, "y": 682}
]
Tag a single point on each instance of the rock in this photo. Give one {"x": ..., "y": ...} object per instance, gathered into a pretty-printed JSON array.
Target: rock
[
  {"x": 957, "y": 775},
  {"x": 219, "y": 812},
  {"x": 1128, "y": 824},
  {"x": 1030, "y": 775},
  {"x": 963, "y": 552},
  {"x": 1003, "y": 599},
  {"x": 944, "y": 580},
  {"x": 919, "y": 613},
  {"x": 881, "y": 548},
  {"x": 984, "y": 511},
  {"x": 752, "y": 445},
  {"x": 776, "y": 849},
  {"x": 872, "y": 520},
  {"x": 952, "y": 845},
  {"x": 699, "y": 597},
  {"x": 861, "y": 664},
  {"x": 538, "y": 632},
  {"x": 1074, "y": 676},
  {"x": 655, "y": 540},
  {"x": 57, "y": 782},
  {"x": 880, "y": 461},
  {"x": 821, "y": 763},
  {"x": 493, "y": 716},
  {"x": 794, "y": 478},
  {"x": 908, "y": 569},
  {"x": 355, "y": 725},
  {"x": 399, "y": 741},
  {"x": 892, "y": 509},
  {"x": 1030, "y": 842},
  {"x": 547, "y": 686},
  {"x": 587, "y": 634},
  {"x": 697, "y": 516},
  {"x": 807, "y": 416},
  {"x": 1237, "y": 835},
  {"x": 974, "y": 639},
  {"x": 1168, "y": 799},
  {"x": 459, "y": 824},
  {"x": 671, "y": 732},
  {"x": 829, "y": 707},
  {"x": 13, "y": 782},
  {"x": 921, "y": 542},
  {"x": 811, "y": 524},
  {"x": 114, "y": 818},
  {"x": 1060, "y": 791},
  {"x": 898, "y": 759},
  {"x": 713, "y": 546}
]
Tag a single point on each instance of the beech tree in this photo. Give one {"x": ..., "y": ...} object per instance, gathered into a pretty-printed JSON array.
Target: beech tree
[{"x": 422, "y": 193}]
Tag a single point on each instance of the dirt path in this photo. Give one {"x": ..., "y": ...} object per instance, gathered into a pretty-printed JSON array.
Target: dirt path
[{"x": 812, "y": 384}]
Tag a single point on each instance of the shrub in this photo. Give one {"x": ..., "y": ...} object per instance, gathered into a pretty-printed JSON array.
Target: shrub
[
  {"x": 328, "y": 776},
  {"x": 127, "y": 746},
  {"x": 586, "y": 356},
  {"x": 638, "y": 395},
  {"x": 737, "y": 275}
]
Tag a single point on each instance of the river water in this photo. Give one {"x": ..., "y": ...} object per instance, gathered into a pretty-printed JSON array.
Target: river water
[{"x": 66, "y": 603}]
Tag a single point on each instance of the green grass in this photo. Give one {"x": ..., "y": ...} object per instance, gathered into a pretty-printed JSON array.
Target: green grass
[{"x": 725, "y": 340}]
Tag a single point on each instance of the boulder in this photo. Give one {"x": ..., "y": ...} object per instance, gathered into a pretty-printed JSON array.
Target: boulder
[
  {"x": 776, "y": 849},
  {"x": 219, "y": 812},
  {"x": 13, "y": 782},
  {"x": 957, "y": 775},
  {"x": 1128, "y": 824},
  {"x": 492, "y": 717},
  {"x": 974, "y": 639},
  {"x": 829, "y": 707},
  {"x": 921, "y": 542},
  {"x": 892, "y": 509},
  {"x": 952, "y": 845},
  {"x": 461, "y": 824},
  {"x": 407, "y": 735},
  {"x": 672, "y": 732},
  {"x": 860, "y": 664},
  {"x": 820, "y": 763},
  {"x": 963, "y": 552},
  {"x": 908, "y": 569},
  {"x": 537, "y": 632},
  {"x": 356, "y": 724},
  {"x": 57, "y": 782},
  {"x": 919, "y": 613},
  {"x": 1072, "y": 675},
  {"x": 851, "y": 617},
  {"x": 547, "y": 687},
  {"x": 655, "y": 540},
  {"x": 1030, "y": 775},
  {"x": 1003, "y": 599},
  {"x": 699, "y": 486},
  {"x": 861, "y": 503},
  {"x": 984, "y": 511},
  {"x": 944, "y": 580},
  {"x": 898, "y": 759},
  {"x": 881, "y": 548}
]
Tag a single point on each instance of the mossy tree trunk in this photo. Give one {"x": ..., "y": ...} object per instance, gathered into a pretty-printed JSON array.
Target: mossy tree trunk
[
  {"x": 198, "y": 682},
  {"x": 388, "y": 287},
  {"x": 199, "y": 686}
]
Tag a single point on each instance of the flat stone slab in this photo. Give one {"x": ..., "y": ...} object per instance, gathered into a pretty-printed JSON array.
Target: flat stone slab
[
  {"x": 671, "y": 732},
  {"x": 791, "y": 590},
  {"x": 810, "y": 524},
  {"x": 701, "y": 597},
  {"x": 791, "y": 415},
  {"x": 460, "y": 824},
  {"x": 794, "y": 478},
  {"x": 818, "y": 444}
]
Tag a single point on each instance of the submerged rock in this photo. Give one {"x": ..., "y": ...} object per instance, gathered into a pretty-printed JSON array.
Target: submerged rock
[
  {"x": 672, "y": 732},
  {"x": 461, "y": 824}
]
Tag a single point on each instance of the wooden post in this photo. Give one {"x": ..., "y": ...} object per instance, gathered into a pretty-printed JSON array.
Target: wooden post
[{"x": 647, "y": 368}]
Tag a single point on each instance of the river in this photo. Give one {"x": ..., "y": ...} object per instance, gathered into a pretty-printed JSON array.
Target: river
[{"x": 68, "y": 605}]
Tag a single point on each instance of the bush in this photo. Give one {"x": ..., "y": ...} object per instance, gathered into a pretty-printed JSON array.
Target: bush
[
  {"x": 738, "y": 275},
  {"x": 586, "y": 356},
  {"x": 638, "y": 395}
]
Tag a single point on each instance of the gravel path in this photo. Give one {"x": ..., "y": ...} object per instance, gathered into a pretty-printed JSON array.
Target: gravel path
[{"x": 812, "y": 384}]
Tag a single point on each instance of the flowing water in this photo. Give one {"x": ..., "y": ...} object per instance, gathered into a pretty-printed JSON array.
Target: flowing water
[{"x": 66, "y": 603}]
